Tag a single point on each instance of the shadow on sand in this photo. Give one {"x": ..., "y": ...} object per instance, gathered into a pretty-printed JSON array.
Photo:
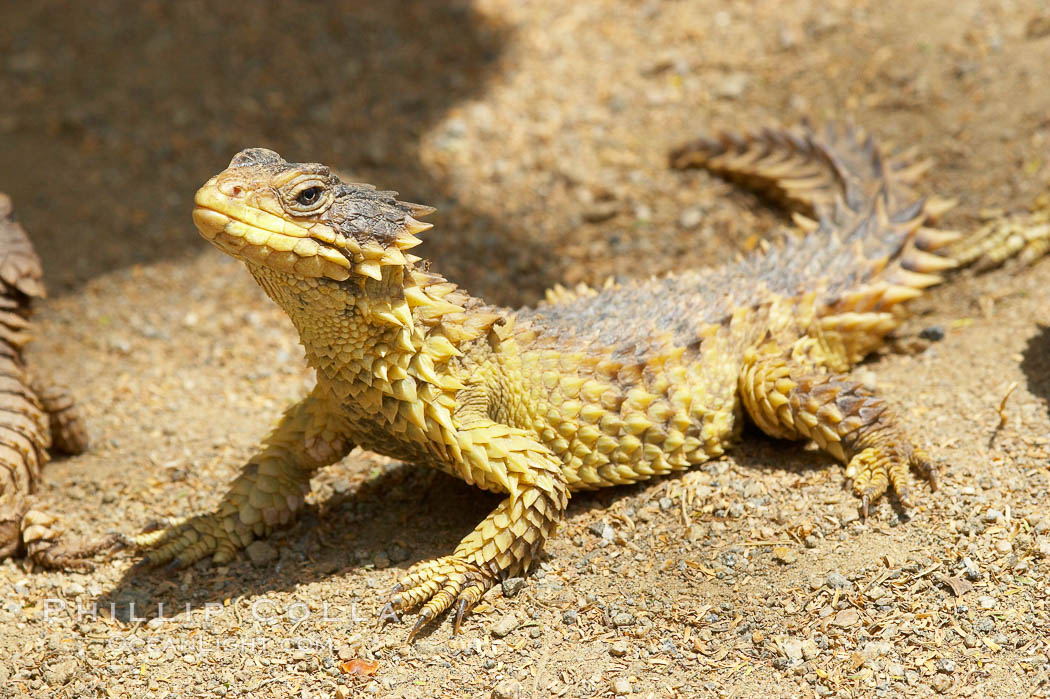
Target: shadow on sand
[{"x": 109, "y": 123}]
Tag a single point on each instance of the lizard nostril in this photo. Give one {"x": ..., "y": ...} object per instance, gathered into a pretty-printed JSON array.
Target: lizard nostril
[{"x": 231, "y": 187}]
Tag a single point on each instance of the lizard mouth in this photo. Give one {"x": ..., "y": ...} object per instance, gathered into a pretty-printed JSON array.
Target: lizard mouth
[{"x": 243, "y": 231}]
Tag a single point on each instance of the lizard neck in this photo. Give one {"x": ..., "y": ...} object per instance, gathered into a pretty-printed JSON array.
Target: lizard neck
[{"x": 378, "y": 332}]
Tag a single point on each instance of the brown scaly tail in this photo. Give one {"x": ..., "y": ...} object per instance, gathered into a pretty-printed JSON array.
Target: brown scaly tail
[
  {"x": 857, "y": 206},
  {"x": 33, "y": 419},
  {"x": 807, "y": 172},
  {"x": 811, "y": 174}
]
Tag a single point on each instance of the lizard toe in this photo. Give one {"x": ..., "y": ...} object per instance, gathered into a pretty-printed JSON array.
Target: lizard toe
[
  {"x": 185, "y": 542},
  {"x": 876, "y": 469},
  {"x": 437, "y": 585}
]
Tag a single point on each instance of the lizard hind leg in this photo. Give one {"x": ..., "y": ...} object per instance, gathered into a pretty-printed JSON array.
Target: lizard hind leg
[{"x": 790, "y": 396}]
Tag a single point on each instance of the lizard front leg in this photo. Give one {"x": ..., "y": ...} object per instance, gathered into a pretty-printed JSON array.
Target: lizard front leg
[
  {"x": 793, "y": 395},
  {"x": 266, "y": 495},
  {"x": 496, "y": 457}
]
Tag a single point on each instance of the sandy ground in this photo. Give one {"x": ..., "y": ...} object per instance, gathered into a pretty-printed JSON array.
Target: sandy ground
[{"x": 540, "y": 129}]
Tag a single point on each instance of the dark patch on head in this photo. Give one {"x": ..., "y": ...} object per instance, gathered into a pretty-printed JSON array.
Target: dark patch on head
[
  {"x": 256, "y": 156},
  {"x": 361, "y": 208}
]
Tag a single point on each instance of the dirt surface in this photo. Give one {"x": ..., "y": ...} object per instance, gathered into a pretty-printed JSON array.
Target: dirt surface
[{"x": 540, "y": 129}]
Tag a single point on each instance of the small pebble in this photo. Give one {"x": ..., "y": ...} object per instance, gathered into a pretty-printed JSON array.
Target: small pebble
[
  {"x": 619, "y": 649},
  {"x": 867, "y": 378},
  {"x": 846, "y": 617},
  {"x": 342, "y": 692},
  {"x": 260, "y": 553},
  {"x": 505, "y": 626},
  {"x": 731, "y": 86},
  {"x": 512, "y": 586},
  {"x": 602, "y": 530},
  {"x": 1042, "y": 546},
  {"x": 838, "y": 581},
  {"x": 622, "y": 686},
  {"x": 986, "y": 602},
  {"x": 785, "y": 554},
  {"x": 600, "y": 211},
  {"x": 568, "y": 617},
  {"x": 941, "y": 683},
  {"x": 691, "y": 217},
  {"x": 792, "y": 648},
  {"x": 1004, "y": 546},
  {"x": 508, "y": 689},
  {"x": 61, "y": 672},
  {"x": 398, "y": 554},
  {"x": 623, "y": 619},
  {"x": 934, "y": 333},
  {"x": 946, "y": 666}
]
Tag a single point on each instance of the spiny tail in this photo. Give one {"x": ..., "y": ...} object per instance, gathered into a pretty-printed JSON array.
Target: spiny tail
[
  {"x": 810, "y": 174},
  {"x": 24, "y": 436},
  {"x": 866, "y": 229},
  {"x": 807, "y": 172},
  {"x": 32, "y": 418}
]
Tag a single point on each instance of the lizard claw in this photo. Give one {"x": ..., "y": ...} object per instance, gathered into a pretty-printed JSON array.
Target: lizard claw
[
  {"x": 461, "y": 610},
  {"x": 437, "y": 585},
  {"x": 423, "y": 619}
]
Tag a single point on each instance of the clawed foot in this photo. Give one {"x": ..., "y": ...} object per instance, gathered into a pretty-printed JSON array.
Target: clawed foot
[
  {"x": 45, "y": 548},
  {"x": 187, "y": 540},
  {"x": 440, "y": 583},
  {"x": 876, "y": 469},
  {"x": 264, "y": 497},
  {"x": 54, "y": 556}
]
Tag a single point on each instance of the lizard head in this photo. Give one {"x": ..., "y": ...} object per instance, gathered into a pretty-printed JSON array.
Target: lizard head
[{"x": 300, "y": 219}]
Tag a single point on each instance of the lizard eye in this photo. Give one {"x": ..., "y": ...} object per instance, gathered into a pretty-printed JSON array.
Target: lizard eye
[{"x": 308, "y": 197}]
